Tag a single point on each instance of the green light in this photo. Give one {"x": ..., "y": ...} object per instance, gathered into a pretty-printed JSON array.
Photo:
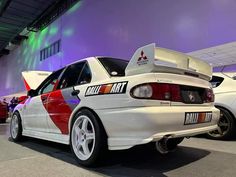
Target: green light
[
  {"x": 68, "y": 32},
  {"x": 31, "y": 38},
  {"x": 34, "y": 63},
  {"x": 53, "y": 30},
  {"x": 25, "y": 51},
  {"x": 41, "y": 37},
  {"x": 46, "y": 44},
  {"x": 44, "y": 31},
  {"x": 75, "y": 7}
]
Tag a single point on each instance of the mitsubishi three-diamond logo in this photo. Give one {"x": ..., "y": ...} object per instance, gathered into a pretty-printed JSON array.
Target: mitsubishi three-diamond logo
[{"x": 142, "y": 60}]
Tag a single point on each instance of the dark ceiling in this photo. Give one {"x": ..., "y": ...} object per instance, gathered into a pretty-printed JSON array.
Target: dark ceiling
[{"x": 16, "y": 15}]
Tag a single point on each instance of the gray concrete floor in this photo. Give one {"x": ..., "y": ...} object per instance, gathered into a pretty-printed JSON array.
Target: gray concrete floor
[{"x": 194, "y": 157}]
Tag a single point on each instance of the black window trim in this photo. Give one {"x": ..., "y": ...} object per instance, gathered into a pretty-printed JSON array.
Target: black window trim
[
  {"x": 86, "y": 63},
  {"x": 219, "y": 81},
  {"x": 46, "y": 80},
  {"x": 109, "y": 75},
  {"x": 60, "y": 76},
  {"x": 77, "y": 84},
  {"x": 59, "y": 82}
]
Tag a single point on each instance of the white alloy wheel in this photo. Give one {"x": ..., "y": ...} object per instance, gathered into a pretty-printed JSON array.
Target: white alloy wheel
[
  {"x": 226, "y": 126},
  {"x": 14, "y": 126},
  {"x": 83, "y": 137}
]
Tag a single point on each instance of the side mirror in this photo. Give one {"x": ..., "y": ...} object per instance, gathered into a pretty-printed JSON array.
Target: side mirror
[{"x": 31, "y": 93}]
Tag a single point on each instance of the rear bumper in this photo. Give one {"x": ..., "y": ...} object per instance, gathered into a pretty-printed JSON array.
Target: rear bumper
[{"x": 127, "y": 127}]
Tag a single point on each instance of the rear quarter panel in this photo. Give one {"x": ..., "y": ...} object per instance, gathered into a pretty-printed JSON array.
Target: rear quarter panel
[
  {"x": 225, "y": 94},
  {"x": 226, "y": 100}
]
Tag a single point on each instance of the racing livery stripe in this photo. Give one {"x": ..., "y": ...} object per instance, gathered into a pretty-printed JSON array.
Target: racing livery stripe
[
  {"x": 26, "y": 85},
  {"x": 72, "y": 101},
  {"x": 59, "y": 106},
  {"x": 111, "y": 88}
]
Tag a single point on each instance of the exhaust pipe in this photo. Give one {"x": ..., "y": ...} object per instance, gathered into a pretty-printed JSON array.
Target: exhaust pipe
[{"x": 167, "y": 144}]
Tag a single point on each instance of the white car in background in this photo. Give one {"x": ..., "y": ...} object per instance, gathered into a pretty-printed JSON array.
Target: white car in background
[
  {"x": 224, "y": 86},
  {"x": 97, "y": 103}
]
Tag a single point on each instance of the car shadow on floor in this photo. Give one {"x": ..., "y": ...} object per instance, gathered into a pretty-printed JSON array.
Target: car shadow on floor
[{"x": 138, "y": 161}]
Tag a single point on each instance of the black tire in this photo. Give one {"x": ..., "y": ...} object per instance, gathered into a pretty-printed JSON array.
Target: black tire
[
  {"x": 228, "y": 131},
  {"x": 100, "y": 146},
  {"x": 18, "y": 137}
]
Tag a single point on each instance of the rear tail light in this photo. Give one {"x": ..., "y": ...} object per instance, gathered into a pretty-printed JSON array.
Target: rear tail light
[
  {"x": 157, "y": 91},
  {"x": 209, "y": 96},
  {"x": 170, "y": 92},
  {"x": 143, "y": 91}
]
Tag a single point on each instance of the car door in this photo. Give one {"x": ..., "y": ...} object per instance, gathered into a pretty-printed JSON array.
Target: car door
[
  {"x": 35, "y": 112},
  {"x": 62, "y": 101}
]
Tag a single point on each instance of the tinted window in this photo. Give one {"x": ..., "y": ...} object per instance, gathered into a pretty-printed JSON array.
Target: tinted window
[
  {"x": 49, "y": 83},
  {"x": 216, "y": 81},
  {"x": 115, "y": 67},
  {"x": 71, "y": 75},
  {"x": 85, "y": 76}
]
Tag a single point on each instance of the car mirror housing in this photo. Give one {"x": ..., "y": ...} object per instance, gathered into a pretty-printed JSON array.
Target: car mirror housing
[{"x": 31, "y": 93}]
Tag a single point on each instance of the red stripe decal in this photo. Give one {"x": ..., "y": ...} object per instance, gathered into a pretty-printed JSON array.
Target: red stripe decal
[
  {"x": 26, "y": 85},
  {"x": 59, "y": 111}
]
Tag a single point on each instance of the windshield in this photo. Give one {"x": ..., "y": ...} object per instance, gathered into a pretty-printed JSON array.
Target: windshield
[{"x": 115, "y": 67}]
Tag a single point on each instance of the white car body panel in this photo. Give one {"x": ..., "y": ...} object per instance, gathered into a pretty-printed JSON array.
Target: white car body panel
[
  {"x": 129, "y": 121},
  {"x": 166, "y": 61},
  {"x": 58, "y": 138},
  {"x": 225, "y": 93},
  {"x": 138, "y": 125},
  {"x": 35, "y": 115}
]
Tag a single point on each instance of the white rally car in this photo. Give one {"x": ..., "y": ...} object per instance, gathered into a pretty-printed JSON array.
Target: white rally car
[
  {"x": 224, "y": 86},
  {"x": 97, "y": 103}
]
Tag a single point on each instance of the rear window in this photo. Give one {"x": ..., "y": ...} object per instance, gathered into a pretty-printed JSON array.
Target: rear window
[
  {"x": 115, "y": 67},
  {"x": 216, "y": 81}
]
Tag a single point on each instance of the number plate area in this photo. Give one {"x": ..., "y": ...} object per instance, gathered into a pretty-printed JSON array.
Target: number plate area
[{"x": 197, "y": 117}]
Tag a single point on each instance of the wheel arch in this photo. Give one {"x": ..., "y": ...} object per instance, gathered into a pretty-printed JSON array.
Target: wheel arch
[
  {"x": 82, "y": 108},
  {"x": 227, "y": 108},
  {"x": 17, "y": 111}
]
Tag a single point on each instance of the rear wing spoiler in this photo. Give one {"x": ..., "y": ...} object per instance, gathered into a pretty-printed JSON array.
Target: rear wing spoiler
[
  {"x": 153, "y": 59},
  {"x": 32, "y": 79}
]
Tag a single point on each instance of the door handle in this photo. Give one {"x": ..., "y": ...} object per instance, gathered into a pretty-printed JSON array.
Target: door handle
[{"x": 75, "y": 92}]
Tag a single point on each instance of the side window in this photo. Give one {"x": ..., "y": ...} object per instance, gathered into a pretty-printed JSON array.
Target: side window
[
  {"x": 71, "y": 75},
  {"x": 50, "y": 83},
  {"x": 85, "y": 76},
  {"x": 216, "y": 81}
]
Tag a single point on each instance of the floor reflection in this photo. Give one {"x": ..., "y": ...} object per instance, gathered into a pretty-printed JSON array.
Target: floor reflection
[{"x": 4, "y": 128}]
